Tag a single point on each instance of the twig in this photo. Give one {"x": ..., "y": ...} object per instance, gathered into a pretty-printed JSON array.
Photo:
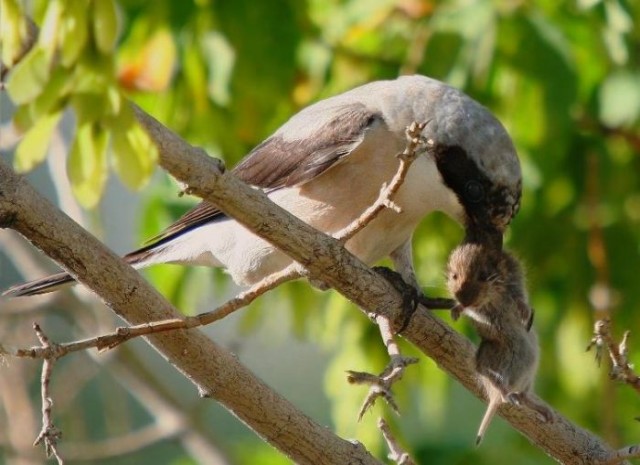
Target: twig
[
  {"x": 294, "y": 271},
  {"x": 621, "y": 369},
  {"x": 415, "y": 146},
  {"x": 125, "y": 333},
  {"x": 381, "y": 384},
  {"x": 50, "y": 434},
  {"x": 396, "y": 453},
  {"x": 218, "y": 373}
]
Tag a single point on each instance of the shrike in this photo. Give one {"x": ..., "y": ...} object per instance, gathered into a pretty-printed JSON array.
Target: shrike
[{"x": 326, "y": 165}]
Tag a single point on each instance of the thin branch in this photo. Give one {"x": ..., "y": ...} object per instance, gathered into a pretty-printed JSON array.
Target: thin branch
[
  {"x": 125, "y": 333},
  {"x": 122, "y": 445},
  {"x": 50, "y": 434},
  {"x": 213, "y": 370},
  {"x": 396, "y": 453},
  {"x": 294, "y": 271},
  {"x": 621, "y": 369},
  {"x": 416, "y": 145}
]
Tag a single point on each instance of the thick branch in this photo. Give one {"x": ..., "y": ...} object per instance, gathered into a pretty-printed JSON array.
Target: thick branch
[
  {"x": 214, "y": 371},
  {"x": 325, "y": 259}
]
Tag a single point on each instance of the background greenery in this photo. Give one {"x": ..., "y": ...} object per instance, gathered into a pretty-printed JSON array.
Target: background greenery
[{"x": 563, "y": 77}]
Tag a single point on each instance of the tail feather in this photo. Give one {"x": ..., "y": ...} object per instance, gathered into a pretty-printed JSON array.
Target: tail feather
[
  {"x": 40, "y": 286},
  {"x": 54, "y": 282}
]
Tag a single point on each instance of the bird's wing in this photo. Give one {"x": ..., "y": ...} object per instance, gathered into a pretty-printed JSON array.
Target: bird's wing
[{"x": 328, "y": 133}]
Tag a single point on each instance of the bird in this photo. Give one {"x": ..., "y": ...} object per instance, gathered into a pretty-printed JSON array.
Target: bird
[{"x": 327, "y": 164}]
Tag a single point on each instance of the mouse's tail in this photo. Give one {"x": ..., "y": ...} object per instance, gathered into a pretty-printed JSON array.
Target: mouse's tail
[{"x": 494, "y": 403}]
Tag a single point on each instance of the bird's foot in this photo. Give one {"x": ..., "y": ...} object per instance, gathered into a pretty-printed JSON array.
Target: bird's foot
[
  {"x": 412, "y": 297},
  {"x": 380, "y": 385}
]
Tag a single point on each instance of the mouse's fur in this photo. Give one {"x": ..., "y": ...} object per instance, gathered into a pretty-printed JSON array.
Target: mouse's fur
[{"x": 489, "y": 285}]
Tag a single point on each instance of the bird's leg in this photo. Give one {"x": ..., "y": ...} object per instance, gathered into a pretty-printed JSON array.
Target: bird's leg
[
  {"x": 381, "y": 384},
  {"x": 405, "y": 282},
  {"x": 412, "y": 296}
]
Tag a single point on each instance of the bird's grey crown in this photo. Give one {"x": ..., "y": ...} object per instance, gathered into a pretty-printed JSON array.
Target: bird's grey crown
[{"x": 454, "y": 120}]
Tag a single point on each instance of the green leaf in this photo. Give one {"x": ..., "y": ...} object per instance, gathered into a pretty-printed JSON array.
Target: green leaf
[
  {"x": 74, "y": 32},
  {"x": 619, "y": 99},
  {"x": 220, "y": 57},
  {"x": 134, "y": 155},
  {"x": 88, "y": 106},
  {"x": 29, "y": 77},
  {"x": 33, "y": 147},
  {"x": 22, "y": 118},
  {"x": 105, "y": 25},
  {"x": 92, "y": 75},
  {"x": 87, "y": 164},
  {"x": 50, "y": 27},
  {"x": 14, "y": 30},
  {"x": 53, "y": 94}
]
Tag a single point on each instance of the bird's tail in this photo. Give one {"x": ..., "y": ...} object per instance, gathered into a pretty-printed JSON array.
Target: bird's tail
[
  {"x": 138, "y": 259},
  {"x": 494, "y": 403},
  {"x": 40, "y": 286}
]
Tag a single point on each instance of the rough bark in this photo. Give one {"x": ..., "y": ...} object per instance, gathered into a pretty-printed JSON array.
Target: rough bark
[{"x": 214, "y": 371}]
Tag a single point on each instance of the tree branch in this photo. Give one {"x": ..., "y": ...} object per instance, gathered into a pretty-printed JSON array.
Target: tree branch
[
  {"x": 621, "y": 369},
  {"x": 217, "y": 373},
  {"x": 326, "y": 260}
]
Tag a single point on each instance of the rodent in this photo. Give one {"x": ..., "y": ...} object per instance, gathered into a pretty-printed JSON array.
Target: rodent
[{"x": 489, "y": 285}]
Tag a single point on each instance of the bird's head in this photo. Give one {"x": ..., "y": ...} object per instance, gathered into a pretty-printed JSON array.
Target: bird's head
[{"x": 476, "y": 159}]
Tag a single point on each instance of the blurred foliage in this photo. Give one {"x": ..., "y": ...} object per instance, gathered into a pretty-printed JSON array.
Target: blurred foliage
[{"x": 563, "y": 77}]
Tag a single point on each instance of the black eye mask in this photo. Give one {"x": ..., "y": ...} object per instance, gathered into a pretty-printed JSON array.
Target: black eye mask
[{"x": 488, "y": 207}]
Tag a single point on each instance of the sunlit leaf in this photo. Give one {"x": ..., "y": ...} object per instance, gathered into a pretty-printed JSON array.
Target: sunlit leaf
[
  {"x": 32, "y": 150},
  {"x": 87, "y": 164},
  {"x": 93, "y": 76},
  {"x": 152, "y": 67},
  {"x": 14, "y": 30},
  {"x": 220, "y": 57},
  {"x": 53, "y": 95},
  {"x": 134, "y": 155},
  {"x": 619, "y": 99},
  {"x": 22, "y": 118},
  {"x": 28, "y": 78},
  {"x": 105, "y": 25},
  {"x": 50, "y": 27},
  {"x": 74, "y": 31}
]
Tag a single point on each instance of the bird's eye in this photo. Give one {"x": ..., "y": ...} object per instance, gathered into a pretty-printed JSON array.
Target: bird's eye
[{"x": 474, "y": 192}]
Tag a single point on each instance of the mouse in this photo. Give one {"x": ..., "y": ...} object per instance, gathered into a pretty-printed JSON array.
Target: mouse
[{"x": 489, "y": 285}]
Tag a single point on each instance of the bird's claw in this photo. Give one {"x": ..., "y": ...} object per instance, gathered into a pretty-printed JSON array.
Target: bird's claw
[
  {"x": 380, "y": 385},
  {"x": 410, "y": 295}
]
